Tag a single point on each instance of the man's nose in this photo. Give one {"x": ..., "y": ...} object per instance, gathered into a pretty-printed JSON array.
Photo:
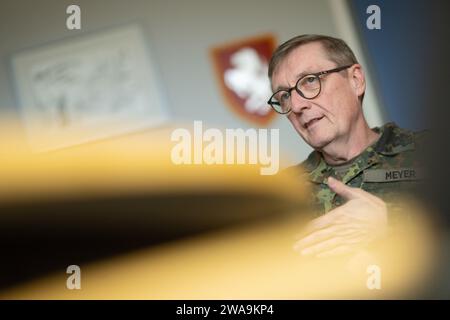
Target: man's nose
[{"x": 299, "y": 104}]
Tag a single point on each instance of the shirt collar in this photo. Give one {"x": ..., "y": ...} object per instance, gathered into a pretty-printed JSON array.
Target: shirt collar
[{"x": 392, "y": 141}]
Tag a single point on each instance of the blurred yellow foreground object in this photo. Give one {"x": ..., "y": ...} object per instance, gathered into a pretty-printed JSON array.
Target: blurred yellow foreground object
[{"x": 140, "y": 227}]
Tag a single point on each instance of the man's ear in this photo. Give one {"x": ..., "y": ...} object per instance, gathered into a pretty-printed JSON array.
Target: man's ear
[{"x": 358, "y": 79}]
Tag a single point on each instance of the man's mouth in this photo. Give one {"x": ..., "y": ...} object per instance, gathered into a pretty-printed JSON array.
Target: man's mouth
[{"x": 312, "y": 122}]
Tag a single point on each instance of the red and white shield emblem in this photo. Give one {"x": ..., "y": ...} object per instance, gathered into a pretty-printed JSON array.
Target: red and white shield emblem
[{"x": 241, "y": 70}]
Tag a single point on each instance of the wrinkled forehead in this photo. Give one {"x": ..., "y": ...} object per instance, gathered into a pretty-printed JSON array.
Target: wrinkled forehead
[{"x": 307, "y": 58}]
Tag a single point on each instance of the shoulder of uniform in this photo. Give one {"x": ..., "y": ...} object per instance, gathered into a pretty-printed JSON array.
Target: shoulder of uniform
[
  {"x": 311, "y": 162},
  {"x": 308, "y": 165},
  {"x": 394, "y": 139}
]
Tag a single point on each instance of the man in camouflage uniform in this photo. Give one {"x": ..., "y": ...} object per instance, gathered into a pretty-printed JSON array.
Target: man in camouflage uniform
[{"x": 356, "y": 173}]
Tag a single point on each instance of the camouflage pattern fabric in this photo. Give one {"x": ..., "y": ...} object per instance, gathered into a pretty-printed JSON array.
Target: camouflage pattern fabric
[{"x": 388, "y": 168}]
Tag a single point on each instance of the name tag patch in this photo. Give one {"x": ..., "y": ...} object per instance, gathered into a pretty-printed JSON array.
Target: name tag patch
[{"x": 390, "y": 175}]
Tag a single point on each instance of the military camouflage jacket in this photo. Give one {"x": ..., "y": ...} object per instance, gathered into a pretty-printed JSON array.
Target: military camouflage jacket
[{"x": 388, "y": 168}]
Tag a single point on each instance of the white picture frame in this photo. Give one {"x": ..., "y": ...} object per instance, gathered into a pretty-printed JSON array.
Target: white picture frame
[{"x": 87, "y": 88}]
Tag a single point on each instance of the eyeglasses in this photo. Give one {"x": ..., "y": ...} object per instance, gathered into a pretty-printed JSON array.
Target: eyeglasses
[{"x": 308, "y": 86}]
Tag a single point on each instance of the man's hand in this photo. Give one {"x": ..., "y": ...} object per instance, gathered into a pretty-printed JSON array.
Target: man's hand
[{"x": 361, "y": 220}]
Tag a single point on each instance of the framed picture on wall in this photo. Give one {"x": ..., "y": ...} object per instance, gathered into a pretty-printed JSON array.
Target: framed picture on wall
[{"x": 87, "y": 88}]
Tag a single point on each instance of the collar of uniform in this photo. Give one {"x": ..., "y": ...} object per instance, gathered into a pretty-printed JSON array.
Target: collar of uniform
[
  {"x": 322, "y": 171},
  {"x": 393, "y": 140}
]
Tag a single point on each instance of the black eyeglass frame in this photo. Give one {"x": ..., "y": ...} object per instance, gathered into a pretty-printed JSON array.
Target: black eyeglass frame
[{"x": 317, "y": 75}]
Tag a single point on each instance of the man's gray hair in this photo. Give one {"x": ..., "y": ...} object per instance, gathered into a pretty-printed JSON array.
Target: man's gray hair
[{"x": 336, "y": 49}]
